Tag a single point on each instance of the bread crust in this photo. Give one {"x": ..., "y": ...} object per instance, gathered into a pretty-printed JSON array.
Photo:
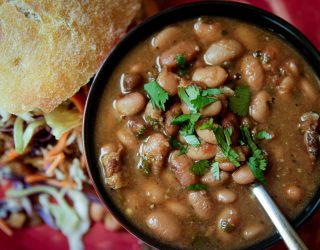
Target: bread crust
[{"x": 50, "y": 48}]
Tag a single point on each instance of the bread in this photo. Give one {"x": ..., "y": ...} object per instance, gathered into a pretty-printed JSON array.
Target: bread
[{"x": 50, "y": 48}]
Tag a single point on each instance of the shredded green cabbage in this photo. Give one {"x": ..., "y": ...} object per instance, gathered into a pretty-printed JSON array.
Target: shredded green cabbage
[
  {"x": 18, "y": 135},
  {"x": 22, "y": 139},
  {"x": 30, "y": 131},
  {"x": 63, "y": 119},
  {"x": 73, "y": 222}
]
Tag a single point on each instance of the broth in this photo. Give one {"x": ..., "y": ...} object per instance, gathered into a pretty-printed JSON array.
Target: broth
[{"x": 155, "y": 187}]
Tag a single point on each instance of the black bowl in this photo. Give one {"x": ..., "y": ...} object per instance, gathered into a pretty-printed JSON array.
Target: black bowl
[{"x": 239, "y": 11}]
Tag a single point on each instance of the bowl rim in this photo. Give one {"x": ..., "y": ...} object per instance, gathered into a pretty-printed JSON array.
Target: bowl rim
[{"x": 233, "y": 10}]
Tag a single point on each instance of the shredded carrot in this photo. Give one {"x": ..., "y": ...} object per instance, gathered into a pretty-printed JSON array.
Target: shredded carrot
[
  {"x": 55, "y": 163},
  {"x": 61, "y": 184},
  {"x": 5, "y": 228},
  {"x": 79, "y": 101},
  {"x": 150, "y": 7},
  {"x": 85, "y": 90},
  {"x": 32, "y": 178},
  {"x": 12, "y": 154},
  {"x": 59, "y": 147}
]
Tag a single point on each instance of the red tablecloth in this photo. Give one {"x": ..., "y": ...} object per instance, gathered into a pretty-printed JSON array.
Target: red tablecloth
[{"x": 305, "y": 16}]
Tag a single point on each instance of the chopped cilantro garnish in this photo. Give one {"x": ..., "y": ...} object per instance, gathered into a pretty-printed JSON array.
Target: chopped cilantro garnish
[
  {"x": 182, "y": 64},
  {"x": 215, "y": 170},
  {"x": 239, "y": 103},
  {"x": 157, "y": 95},
  {"x": 190, "y": 139},
  {"x": 194, "y": 98},
  {"x": 211, "y": 92},
  {"x": 264, "y": 135},
  {"x": 198, "y": 186},
  {"x": 175, "y": 144},
  {"x": 208, "y": 125},
  {"x": 224, "y": 142},
  {"x": 223, "y": 137},
  {"x": 257, "y": 162},
  {"x": 187, "y": 131},
  {"x": 199, "y": 168}
]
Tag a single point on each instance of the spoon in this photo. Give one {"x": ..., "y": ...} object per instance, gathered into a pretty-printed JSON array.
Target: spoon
[{"x": 288, "y": 234}]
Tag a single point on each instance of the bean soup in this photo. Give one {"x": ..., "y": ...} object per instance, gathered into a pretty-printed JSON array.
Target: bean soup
[{"x": 192, "y": 116}]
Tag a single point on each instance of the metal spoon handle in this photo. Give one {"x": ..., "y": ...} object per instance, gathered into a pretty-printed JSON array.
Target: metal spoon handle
[{"x": 286, "y": 231}]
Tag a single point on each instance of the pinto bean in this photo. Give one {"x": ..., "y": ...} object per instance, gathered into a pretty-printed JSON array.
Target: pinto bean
[
  {"x": 97, "y": 211},
  {"x": 127, "y": 138},
  {"x": 180, "y": 165},
  {"x": 252, "y": 72},
  {"x": 309, "y": 90},
  {"x": 206, "y": 134},
  {"x": 174, "y": 111},
  {"x": 286, "y": 86},
  {"x": 204, "y": 152},
  {"x": 227, "y": 166},
  {"x": 243, "y": 175},
  {"x": 155, "y": 149},
  {"x": 210, "y": 180},
  {"x": 208, "y": 32},
  {"x": 137, "y": 126},
  {"x": 246, "y": 36},
  {"x": 259, "y": 108},
  {"x": 178, "y": 209},
  {"x": 222, "y": 51},
  {"x": 188, "y": 49},
  {"x": 130, "y": 81},
  {"x": 252, "y": 231},
  {"x": 212, "y": 109},
  {"x": 130, "y": 104},
  {"x": 228, "y": 220},
  {"x": 166, "y": 38},
  {"x": 164, "y": 225},
  {"x": 294, "y": 193},
  {"x": 169, "y": 82},
  {"x": 152, "y": 115},
  {"x": 292, "y": 68},
  {"x": 212, "y": 76},
  {"x": 201, "y": 203},
  {"x": 154, "y": 192},
  {"x": 226, "y": 196}
]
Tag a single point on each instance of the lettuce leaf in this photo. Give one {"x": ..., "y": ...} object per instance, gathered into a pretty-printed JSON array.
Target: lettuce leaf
[{"x": 62, "y": 120}]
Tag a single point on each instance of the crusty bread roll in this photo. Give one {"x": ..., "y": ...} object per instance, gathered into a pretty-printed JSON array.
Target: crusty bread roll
[{"x": 50, "y": 48}]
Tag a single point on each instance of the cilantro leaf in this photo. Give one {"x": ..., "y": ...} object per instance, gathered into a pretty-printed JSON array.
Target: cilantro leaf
[
  {"x": 185, "y": 98},
  {"x": 194, "y": 99},
  {"x": 211, "y": 92},
  {"x": 199, "y": 168},
  {"x": 264, "y": 135},
  {"x": 208, "y": 125},
  {"x": 202, "y": 101},
  {"x": 215, "y": 170},
  {"x": 182, "y": 64},
  {"x": 191, "y": 139},
  {"x": 239, "y": 103},
  {"x": 157, "y": 95},
  {"x": 257, "y": 162},
  {"x": 198, "y": 186},
  {"x": 224, "y": 142},
  {"x": 187, "y": 131},
  {"x": 175, "y": 144}
]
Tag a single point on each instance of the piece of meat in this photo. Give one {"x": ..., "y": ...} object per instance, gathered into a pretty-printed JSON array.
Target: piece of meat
[
  {"x": 110, "y": 159},
  {"x": 309, "y": 127}
]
